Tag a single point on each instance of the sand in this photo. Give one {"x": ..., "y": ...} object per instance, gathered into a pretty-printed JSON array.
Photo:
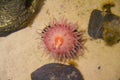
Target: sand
[{"x": 20, "y": 55}]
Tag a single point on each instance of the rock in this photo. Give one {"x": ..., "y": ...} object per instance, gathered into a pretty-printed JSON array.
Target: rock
[
  {"x": 105, "y": 25},
  {"x": 56, "y": 71},
  {"x": 17, "y": 14}
]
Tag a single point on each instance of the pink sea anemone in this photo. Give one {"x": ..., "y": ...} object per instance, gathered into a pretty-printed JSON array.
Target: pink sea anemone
[{"x": 63, "y": 40}]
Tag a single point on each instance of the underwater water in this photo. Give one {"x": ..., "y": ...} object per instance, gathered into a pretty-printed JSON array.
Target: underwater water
[{"x": 20, "y": 55}]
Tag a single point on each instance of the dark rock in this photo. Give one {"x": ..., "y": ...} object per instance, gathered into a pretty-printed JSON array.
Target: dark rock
[
  {"x": 17, "y": 14},
  {"x": 56, "y": 71},
  {"x": 95, "y": 29}
]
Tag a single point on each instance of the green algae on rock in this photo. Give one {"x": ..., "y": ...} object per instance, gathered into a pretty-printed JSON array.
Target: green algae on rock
[
  {"x": 17, "y": 14},
  {"x": 111, "y": 33}
]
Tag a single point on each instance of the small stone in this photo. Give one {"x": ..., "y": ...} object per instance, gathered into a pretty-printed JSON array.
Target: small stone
[{"x": 99, "y": 67}]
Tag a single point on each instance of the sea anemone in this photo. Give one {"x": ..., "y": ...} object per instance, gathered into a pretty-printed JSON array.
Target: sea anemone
[{"x": 63, "y": 40}]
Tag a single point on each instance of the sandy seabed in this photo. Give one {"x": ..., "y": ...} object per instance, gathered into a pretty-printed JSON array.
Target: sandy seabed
[{"x": 20, "y": 55}]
